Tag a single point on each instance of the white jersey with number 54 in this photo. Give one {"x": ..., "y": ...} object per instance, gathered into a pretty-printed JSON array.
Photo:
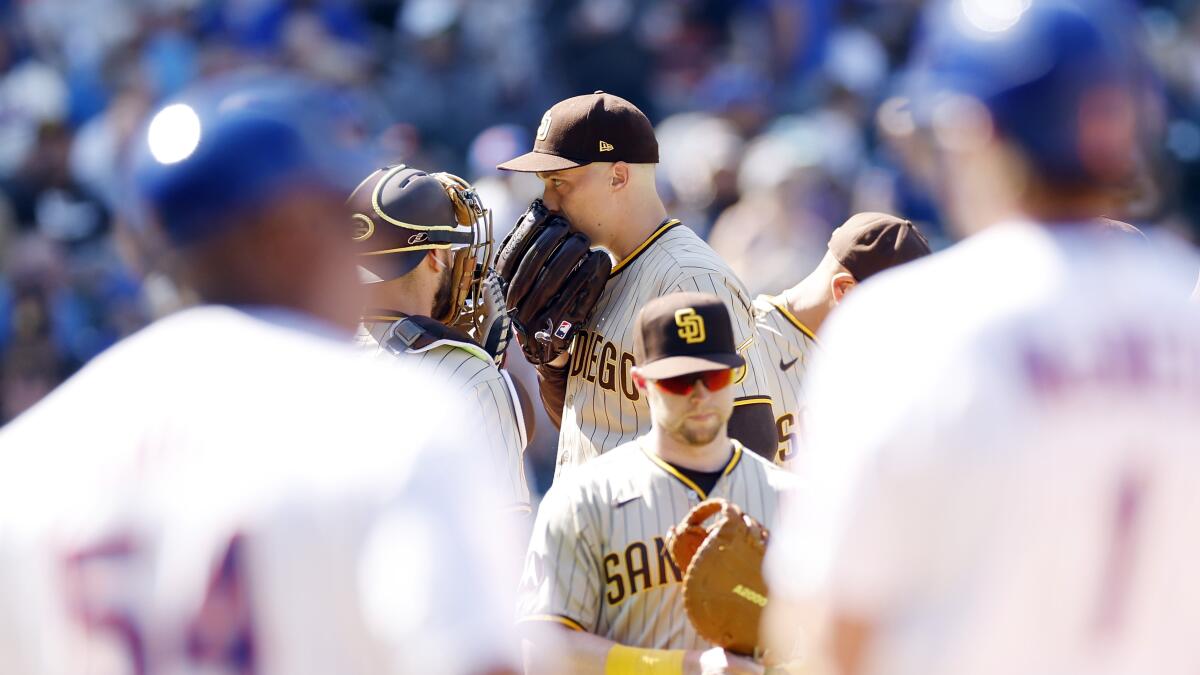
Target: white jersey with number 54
[
  {"x": 1003, "y": 464},
  {"x": 234, "y": 491}
]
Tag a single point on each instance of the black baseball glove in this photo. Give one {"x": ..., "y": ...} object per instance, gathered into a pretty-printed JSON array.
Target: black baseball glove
[{"x": 552, "y": 281}]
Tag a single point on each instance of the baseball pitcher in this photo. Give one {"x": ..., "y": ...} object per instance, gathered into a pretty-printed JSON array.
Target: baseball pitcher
[{"x": 574, "y": 309}]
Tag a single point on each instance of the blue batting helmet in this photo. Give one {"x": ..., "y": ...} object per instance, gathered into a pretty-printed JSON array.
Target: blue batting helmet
[
  {"x": 229, "y": 146},
  {"x": 1057, "y": 78}
]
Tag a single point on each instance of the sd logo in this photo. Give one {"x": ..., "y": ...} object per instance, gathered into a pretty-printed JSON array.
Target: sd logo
[{"x": 691, "y": 325}]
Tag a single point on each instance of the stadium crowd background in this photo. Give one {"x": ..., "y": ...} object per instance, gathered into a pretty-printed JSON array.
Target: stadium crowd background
[{"x": 766, "y": 111}]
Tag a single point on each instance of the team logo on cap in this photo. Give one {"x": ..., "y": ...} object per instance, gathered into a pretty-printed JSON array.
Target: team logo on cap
[
  {"x": 691, "y": 325},
  {"x": 605, "y": 147},
  {"x": 418, "y": 238},
  {"x": 364, "y": 227},
  {"x": 563, "y": 329},
  {"x": 544, "y": 127}
]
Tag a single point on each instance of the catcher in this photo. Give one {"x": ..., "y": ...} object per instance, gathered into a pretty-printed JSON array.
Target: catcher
[
  {"x": 573, "y": 308},
  {"x": 600, "y": 576},
  {"x": 424, "y": 240}
]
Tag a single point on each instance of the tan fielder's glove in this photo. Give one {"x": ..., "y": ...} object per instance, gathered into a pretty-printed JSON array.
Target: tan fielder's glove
[{"x": 723, "y": 588}]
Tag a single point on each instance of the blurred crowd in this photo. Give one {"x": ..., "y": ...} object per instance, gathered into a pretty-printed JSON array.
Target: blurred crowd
[{"x": 766, "y": 110}]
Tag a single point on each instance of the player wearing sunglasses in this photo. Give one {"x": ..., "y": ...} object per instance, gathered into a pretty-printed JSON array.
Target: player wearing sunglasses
[
  {"x": 685, "y": 364},
  {"x": 597, "y": 575}
]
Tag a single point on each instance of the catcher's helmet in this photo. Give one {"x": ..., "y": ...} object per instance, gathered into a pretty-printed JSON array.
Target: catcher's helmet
[
  {"x": 233, "y": 144},
  {"x": 1045, "y": 70},
  {"x": 398, "y": 214}
]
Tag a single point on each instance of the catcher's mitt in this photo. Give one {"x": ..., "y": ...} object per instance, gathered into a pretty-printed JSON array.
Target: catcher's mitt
[
  {"x": 553, "y": 280},
  {"x": 723, "y": 588}
]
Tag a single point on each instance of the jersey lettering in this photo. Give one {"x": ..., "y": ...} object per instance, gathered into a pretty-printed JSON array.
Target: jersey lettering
[
  {"x": 599, "y": 362},
  {"x": 590, "y": 372},
  {"x": 608, "y": 367},
  {"x": 787, "y": 346},
  {"x": 1124, "y": 526},
  {"x": 637, "y": 566},
  {"x": 664, "y": 561},
  {"x": 93, "y": 578},
  {"x": 636, "y": 574},
  {"x": 222, "y": 634},
  {"x": 613, "y": 579},
  {"x": 787, "y": 439}
]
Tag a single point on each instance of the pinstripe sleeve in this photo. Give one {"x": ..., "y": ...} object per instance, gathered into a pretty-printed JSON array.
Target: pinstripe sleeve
[
  {"x": 503, "y": 434},
  {"x": 561, "y": 580}
]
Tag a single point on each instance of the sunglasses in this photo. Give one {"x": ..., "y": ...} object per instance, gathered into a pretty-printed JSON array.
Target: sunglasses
[{"x": 682, "y": 385}]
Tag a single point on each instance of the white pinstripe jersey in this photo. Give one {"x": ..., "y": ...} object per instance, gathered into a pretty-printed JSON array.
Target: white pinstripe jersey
[
  {"x": 788, "y": 346},
  {"x": 597, "y": 561},
  {"x": 467, "y": 367},
  {"x": 603, "y": 408}
]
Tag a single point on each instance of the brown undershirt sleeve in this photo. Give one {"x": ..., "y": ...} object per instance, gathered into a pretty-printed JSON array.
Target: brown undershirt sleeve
[{"x": 552, "y": 386}]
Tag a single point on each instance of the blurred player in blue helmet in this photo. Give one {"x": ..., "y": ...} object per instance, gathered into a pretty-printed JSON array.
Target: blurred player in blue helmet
[
  {"x": 1025, "y": 107},
  {"x": 205, "y": 495},
  {"x": 243, "y": 177},
  {"x": 1009, "y": 487}
]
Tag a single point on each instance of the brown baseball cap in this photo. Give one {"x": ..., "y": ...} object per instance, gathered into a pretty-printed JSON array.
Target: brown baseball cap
[
  {"x": 596, "y": 127},
  {"x": 683, "y": 333},
  {"x": 869, "y": 243}
]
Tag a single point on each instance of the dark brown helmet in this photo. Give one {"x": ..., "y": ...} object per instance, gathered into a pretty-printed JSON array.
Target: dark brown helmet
[{"x": 400, "y": 213}]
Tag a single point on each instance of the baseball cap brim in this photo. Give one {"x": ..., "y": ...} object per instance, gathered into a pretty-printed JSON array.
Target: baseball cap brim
[
  {"x": 673, "y": 366},
  {"x": 533, "y": 162}
]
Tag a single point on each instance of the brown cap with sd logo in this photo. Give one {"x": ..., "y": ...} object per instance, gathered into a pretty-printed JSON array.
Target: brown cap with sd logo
[
  {"x": 596, "y": 127},
  {"x": 684, "y": 333}
]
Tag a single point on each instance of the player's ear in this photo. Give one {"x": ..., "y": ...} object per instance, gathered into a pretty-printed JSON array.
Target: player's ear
[
  {"x": 618, "y": 176},
  {"x": 434, "y": 261},
  {"x": 841, "y": 284}
]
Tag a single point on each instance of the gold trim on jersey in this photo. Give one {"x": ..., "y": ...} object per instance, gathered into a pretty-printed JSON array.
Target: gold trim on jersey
[
  {"x": 780, "y": 305},
  {"x": 675, "y": 473},
  {"x": 751, "y": 400},
  {"x": 739, "y": 373},
  {"x": 737, "y": 456},
  {"x": 378, "y": 317},
  {"x": 745, "y": 345},
  {"x": 554, "y": 618},
  {"x": 643, "y": 246}
]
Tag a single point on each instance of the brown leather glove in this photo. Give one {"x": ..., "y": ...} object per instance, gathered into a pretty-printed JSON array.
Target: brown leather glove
[
  {"x": 552, "y": 281},
  {"x": 723, "y": 588}
]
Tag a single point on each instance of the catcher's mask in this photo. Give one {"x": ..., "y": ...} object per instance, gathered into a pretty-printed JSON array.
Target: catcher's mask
[{"x": 400, "y": 213}]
